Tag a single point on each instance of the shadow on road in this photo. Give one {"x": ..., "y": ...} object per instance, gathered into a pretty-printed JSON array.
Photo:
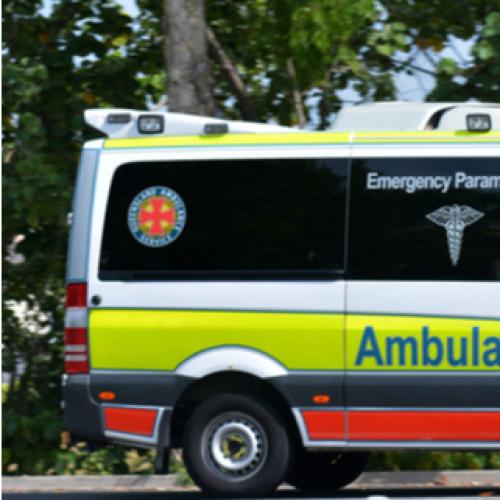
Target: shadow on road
[{"x": 415, "y": 493}]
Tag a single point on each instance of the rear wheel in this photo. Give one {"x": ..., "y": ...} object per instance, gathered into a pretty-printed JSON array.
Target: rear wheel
[
  {"x": 235, "y": 445},
  {"x": 325, "y": 472}
]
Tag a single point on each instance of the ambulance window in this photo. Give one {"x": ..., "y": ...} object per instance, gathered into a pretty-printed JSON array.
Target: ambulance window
[
  {"x": 233, "y": 219},
  {"x": 425, "y": 219}
]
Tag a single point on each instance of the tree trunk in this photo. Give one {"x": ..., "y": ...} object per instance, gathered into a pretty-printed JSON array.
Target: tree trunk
[
  {"x": 189, "y": 84},
  {"x": 297, "y": 97},
  {"x": 218, "y": 53}
]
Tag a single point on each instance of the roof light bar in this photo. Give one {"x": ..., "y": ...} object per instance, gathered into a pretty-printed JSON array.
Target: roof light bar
[
  {"x": 150, "y": 124},
  {"x": 479, "y": 122},
  {"x": 120, "y": 123},
  {"x": 119, "y": 118},
  {"x": 216, "y": 128}
]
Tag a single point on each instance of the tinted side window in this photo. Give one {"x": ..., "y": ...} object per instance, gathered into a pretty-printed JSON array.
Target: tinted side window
[
  {"x": 425, "y": 219},
  {"x": 244, "y": 219}
]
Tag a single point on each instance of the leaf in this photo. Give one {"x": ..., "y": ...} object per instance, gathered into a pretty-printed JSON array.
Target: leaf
[
  {"x": 436, "y": 44},
  {"x": 89, "y": 97},
  {"x": 448, "y": 66},
  {"x": 492, "y": 27},
  {"x": 484, "y": 50},
  {"x": 385, "y": 49},
  {"x": 43, "y": 38},
  {"x": 120, "y": 40}
]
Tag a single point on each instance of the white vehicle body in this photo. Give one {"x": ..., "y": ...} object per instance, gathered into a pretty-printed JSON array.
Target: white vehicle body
[{"x": 370, "y": 315}]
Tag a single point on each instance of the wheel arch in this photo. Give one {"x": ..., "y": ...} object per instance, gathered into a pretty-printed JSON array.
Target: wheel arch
[
  {"x": 225, "y": 381},
  {"x": 231, "y": 358}
]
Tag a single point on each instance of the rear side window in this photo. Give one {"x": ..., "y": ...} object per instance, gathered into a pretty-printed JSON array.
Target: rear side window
[
  {"x": 425, "y": 219},
  {"x": 243, "y": 219}
]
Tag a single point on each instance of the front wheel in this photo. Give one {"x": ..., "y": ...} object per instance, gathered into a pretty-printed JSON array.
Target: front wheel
[
  {"x": 236, "y": 445},
  {"x": 325, "y": 472}
]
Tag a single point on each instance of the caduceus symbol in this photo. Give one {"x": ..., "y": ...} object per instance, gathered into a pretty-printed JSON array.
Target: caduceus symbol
[{"x": 454, "y": 218}]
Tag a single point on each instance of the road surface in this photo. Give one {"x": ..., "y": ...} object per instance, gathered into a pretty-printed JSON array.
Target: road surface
[{"x": 378, "y": 494}]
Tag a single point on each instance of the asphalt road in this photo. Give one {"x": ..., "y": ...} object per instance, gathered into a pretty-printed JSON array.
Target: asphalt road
[{"x": 378, "y": 494}]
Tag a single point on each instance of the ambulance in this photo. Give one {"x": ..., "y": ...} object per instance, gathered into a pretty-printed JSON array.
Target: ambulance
[{"x": 279, "y": 303}]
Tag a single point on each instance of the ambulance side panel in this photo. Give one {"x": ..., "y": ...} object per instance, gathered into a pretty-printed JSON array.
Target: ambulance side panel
[
  {"x": 154, "y": 333},
  {"x": 376, "y": 342},
  {"x": 82, "y": 414},
  {"x": 423, "y": 297},
  {"x": 79, "y": 240}
]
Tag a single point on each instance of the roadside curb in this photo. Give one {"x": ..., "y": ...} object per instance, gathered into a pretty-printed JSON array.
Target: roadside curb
[
  {"x": 425, "y": 479},
  {"x": 140, "y": 483},
  {"x": 129, "y": 482}
]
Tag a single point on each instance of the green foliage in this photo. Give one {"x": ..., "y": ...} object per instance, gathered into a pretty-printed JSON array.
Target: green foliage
[
  {"x": 90, "y": 53},
  {"x": 30, "y": 442},
  {"x": 79, "y": 460},
  {"x": 328, "y": 42},
  {"x": 46, "y": 88},
  {"x": 431, "y": 26},
  {"x": 176, "y": 466}
]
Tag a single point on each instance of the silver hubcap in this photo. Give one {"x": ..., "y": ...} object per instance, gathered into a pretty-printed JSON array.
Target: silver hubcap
[{"x": 234, "y": 446}]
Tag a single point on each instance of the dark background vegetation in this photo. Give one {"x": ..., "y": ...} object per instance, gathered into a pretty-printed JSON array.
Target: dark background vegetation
[{"x": 285, "y": 60}]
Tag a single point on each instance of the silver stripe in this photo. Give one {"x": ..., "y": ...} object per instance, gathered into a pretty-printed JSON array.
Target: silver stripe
[
  {"x": 424, "y": 409},
  {"x": 397, "y": 445},
  {"x": 313, "y": 373},
  {"x": 76, "y": 317},
  {"x": 75, "y": 357},
  {"x": 321, "y": 373},
  {"x": 131, "y": 372},
  {"x": 321, "y": 408},
  {"x": 396, "y": 408},
  {"x": 75, "y": 348},
  {"x": 136, "y": 407},
  {"x": 133, "y": 438}
]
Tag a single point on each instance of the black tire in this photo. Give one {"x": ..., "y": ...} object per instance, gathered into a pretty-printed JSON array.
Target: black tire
[
  {"x": 325, "y": 472},
  {"x": 236, "y": 445}
]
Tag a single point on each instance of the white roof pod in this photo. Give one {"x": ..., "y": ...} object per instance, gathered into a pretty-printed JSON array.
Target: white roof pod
[
  {"x": 413, "y": 116},
  {"x": 123, "y": 123}
]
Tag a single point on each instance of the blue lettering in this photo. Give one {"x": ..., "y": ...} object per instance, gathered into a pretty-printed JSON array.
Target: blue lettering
[
  {"x": 427, "y": 342},
  {"x": 475, "y": 346},
  {"x": 491, "y": 357},
  {"x": 452, "y": 360},
  {"x": 401, "y": 344},
  {"x": 369, "y": 348}
]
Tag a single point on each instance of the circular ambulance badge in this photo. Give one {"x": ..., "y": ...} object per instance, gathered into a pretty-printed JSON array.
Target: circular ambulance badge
[{"x": 156, "y": 216}]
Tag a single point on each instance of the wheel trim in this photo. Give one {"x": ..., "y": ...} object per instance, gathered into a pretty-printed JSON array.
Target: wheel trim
[{"x": 234, "y": 446}]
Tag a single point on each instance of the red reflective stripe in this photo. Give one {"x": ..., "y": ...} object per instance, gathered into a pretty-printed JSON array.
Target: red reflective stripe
[
  {"x": 131, "y": 420},
  {"x": 324, "y": 425},
  {"x": 73, "y": 367},
  {"x": 423, "y": 426},
  {"x": 404, "y": 425},
  {"x": 75, "y": 336},
  {"x": 76, "y": 295}
]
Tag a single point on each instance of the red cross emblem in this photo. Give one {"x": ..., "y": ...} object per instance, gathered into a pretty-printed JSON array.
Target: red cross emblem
[{"x": 157, "y": 216}]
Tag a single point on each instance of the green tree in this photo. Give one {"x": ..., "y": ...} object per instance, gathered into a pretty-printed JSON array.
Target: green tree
[
  {"x": 282, "y": 60},
  {"x": 435, "y": 26},
  {"x": 279, "y": 59},
  {"x": 54, "y": 68}
]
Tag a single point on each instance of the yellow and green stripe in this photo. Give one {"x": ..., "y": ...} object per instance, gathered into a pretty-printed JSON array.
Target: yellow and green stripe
[
  {"x": 131, "y": 339},
  {"x": 306, "y": 138}
]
